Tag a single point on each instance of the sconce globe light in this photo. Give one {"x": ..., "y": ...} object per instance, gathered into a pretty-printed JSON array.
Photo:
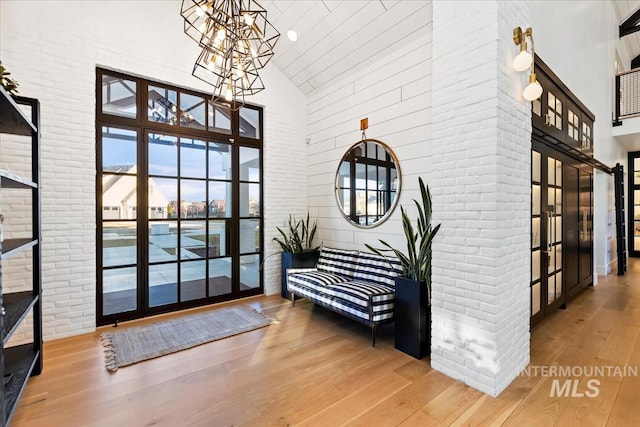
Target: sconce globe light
[
  {"x": 533, "y": 90},
  {"x": 524, "y": 60}
]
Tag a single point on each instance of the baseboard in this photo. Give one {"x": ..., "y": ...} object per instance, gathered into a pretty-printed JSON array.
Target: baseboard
[{"x": 602, "y": 270}]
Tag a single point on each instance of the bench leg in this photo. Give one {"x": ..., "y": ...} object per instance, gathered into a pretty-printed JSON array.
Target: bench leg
[
  {"x": 374, "y": 331},
  {"x": 293, "y": 299}
]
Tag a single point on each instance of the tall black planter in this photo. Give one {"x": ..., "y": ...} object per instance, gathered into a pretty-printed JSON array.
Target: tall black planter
[
  {"x": 301, "y": 260},
  {"x": 412, "y": 318}
]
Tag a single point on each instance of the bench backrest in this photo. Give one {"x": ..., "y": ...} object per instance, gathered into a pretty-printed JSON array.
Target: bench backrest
[
  {"x": 361, "y": 266},
  {"x": 378, "y": 269},
  {"x": 338, "y": 261}
]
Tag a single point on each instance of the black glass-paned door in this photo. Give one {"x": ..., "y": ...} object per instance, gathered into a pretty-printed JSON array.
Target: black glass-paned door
[{"x": 179, "y": 199}]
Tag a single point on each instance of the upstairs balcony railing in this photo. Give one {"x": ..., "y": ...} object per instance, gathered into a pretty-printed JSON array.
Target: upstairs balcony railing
[{"x": 627, "y": 96}]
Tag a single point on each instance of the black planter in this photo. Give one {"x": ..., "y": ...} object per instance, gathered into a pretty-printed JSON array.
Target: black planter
[
  {"x": 301, "y": 260},
  {"x": 412, "y": 318}
]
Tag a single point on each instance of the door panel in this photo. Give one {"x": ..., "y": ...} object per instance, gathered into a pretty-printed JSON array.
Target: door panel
[
  {"x": 554, "y": 217},
  {"x": 634, "y": 203},
  {"x": 537, "y": 238},
  {"x": 119, "y": 234},
  {"x": 548, "y": 218},
  {"x": 572, "y": 227},
  {"x": 561, "y": 229},
  {"x": 586, "y": 228}
]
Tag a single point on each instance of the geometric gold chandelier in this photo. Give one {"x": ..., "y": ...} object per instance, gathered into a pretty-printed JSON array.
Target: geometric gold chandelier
[{"x": 236, "y": 39}]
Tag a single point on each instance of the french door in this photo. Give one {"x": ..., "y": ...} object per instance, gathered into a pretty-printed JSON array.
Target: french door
[
  {"x": 561, "y": 229},
  {"x": 547, "y": 286},
  {"x": 179, "y": 199}
]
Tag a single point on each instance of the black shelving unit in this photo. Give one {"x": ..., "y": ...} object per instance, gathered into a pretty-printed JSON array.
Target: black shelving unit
[
  {"x": 618, "y": 176},
  {"x": 18, "y": 363}
]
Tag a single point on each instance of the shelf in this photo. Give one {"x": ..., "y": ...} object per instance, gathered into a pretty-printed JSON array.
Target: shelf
[
  {"x": 18, "y": 361},
  {"x": 12, "y": 247},
  {"x": 10, "y": 180},
  {"x": 16, "y": 306},
  {"x": 22, "y": 361},
  {"x": 12, "y": 118}
]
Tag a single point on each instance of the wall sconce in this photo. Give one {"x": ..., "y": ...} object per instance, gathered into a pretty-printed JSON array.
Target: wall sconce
[{"x": 524, "y": 60}]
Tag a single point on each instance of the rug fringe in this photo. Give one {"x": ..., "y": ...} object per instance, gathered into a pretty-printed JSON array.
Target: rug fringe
[{"x": 110, "y": 361}]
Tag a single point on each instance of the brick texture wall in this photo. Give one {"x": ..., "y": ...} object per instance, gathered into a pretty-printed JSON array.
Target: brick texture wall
[
  {"x": 52, "y": 49},
  {"x": 481, "y": 189}
]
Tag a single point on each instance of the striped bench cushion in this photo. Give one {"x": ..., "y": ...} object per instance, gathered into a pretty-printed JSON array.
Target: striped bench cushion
[
  {"x": 363, "y": 295},
  {"x": 350, "y": 298},
  {"x": 377, "y": 269},
  {"x": 315, "y": 278},
  {"x": 337, "y": 261}
]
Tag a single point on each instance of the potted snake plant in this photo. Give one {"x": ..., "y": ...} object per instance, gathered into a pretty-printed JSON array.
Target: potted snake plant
[
  {"x": 413, "y": 288},
  {"x": 296, "y": 242}
]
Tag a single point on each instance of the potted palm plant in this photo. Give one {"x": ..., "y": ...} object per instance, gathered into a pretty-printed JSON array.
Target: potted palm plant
[
  {"x": 413, "y": 288},
  {"x": 296, "y": 242}
]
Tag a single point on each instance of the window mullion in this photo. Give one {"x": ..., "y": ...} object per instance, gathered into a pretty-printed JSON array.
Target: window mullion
[{"x": 197, "y": 123}]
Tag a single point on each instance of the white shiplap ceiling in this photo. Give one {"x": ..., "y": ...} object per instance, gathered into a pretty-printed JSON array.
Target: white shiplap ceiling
[
  {"x": 624, "y": 9},
  {"x": 336, "y": 37}
]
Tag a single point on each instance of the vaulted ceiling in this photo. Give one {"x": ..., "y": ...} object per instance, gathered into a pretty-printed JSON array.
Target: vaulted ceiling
[
  {"x": 336, "y": 37},
  {"x": 624, "y": 9}
]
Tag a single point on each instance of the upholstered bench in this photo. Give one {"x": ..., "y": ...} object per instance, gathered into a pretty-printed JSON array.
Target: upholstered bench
[{"x": 356, "y": 284}]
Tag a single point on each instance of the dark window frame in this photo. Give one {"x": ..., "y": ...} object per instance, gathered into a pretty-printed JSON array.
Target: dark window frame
[
  {"x": 143, "y": 127},
  {"x": 551, "y": 83}
]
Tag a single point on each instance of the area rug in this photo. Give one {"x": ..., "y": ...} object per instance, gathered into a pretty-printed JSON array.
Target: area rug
[{"x": 132, "y": 345}]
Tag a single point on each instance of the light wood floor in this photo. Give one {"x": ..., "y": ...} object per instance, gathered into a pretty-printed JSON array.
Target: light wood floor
[{"x": 316, "y": 368}]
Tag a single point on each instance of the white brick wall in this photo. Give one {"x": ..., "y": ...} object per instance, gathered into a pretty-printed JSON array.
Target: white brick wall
[
  {"x": 481, "y": 190},
  {"x": 395, "y": 94},
  {"x": 52, "y": 49},
  {"x": 285, "y": 159}
]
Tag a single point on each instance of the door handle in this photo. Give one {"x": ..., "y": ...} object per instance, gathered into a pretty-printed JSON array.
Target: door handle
[
  {"x": 547, "y": 215},
  {"x": 549, "y": 245}
]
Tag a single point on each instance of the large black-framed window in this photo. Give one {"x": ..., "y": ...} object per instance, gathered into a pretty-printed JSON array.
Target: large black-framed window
[{"x": 179, "y": 198}]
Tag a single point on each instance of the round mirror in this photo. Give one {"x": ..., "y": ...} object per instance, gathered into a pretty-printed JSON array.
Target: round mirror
[{"x": 368, "y": 183}]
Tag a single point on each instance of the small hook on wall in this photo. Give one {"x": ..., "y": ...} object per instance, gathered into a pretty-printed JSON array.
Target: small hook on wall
[{"x": 364, "y": 124}]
